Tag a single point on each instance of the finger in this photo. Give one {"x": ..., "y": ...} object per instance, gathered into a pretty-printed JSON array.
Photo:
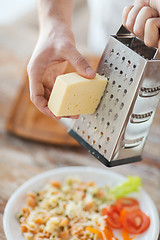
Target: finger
[
  {"x": 42, "y": 104},
  {"x": 47, "y": 93},
  {"x": 37, "y": 93},
  {"x": 144, "y": 14},
  {"x": 125, "y": 13},
  {"x": 132, "y": 17},
  {"x": 151, "y": 33},
  {"x": 80, "y": 64}
]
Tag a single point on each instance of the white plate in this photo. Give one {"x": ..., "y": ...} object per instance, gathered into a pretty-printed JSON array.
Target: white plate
[{"x": 100, "y": 176}]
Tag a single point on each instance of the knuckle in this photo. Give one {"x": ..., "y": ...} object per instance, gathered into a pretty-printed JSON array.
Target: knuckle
[
  {"x": 145, "y": 9},
  {"x": 79, "y": 60},
  {"x": 150, "y": 21}
]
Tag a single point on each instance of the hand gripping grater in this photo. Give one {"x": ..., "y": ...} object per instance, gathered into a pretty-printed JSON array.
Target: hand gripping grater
[{"x": 116, "y": 133}]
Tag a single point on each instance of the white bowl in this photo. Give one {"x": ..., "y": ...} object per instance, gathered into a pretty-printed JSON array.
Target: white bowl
[{"x": 100, "y": 176}]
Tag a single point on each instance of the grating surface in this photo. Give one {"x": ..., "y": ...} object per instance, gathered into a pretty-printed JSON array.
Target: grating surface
[{"x": 123, "y": 68}]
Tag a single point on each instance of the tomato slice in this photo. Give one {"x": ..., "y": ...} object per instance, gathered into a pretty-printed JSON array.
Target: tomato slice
[
  {"x": 113, "y": 217},
  {"x": 126, "y": 203},
  {"x": 135, "y": 221}
]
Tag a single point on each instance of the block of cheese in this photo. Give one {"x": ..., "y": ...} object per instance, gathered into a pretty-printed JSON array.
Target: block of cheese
[{"x": 73, "y": 94}]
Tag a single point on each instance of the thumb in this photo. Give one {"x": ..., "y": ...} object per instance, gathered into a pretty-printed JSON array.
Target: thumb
[{"x": 80, "y": 64}]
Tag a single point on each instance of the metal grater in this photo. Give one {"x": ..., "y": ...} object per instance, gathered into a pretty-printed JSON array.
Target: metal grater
[{"x": 116, "y": 133}]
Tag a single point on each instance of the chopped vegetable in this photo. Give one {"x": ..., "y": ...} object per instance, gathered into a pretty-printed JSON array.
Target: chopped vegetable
[
  {"x": 127, "y": 203},
  {"x": 112, "y": 217},
  {"x": 129, "y": 186},
  {"x": 108, "y": 234},
  {"x": 125, "y": 235},
  {"x": 135, "y": 221},
  {"x": 125, "y": 214},
  {"x": 95, "y": 231}
]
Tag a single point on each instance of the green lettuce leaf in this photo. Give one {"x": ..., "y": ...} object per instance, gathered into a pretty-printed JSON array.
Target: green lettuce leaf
[{"x": 132, "y": 184}]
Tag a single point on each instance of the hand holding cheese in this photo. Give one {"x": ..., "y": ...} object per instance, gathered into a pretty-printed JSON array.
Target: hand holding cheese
[
  {"x": 73, "y": 94},
  {"x": 55, "y": 46}
]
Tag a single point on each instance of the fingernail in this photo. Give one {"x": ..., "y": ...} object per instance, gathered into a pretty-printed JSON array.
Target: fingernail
[{"x": 90, "y": 71}]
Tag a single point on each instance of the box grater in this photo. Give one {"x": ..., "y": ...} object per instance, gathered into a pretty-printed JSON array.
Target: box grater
[{"x": 116, "y": 133}]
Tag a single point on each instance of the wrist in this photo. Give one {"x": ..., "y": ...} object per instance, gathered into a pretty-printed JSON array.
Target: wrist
[{"x": 52, "y": 11}]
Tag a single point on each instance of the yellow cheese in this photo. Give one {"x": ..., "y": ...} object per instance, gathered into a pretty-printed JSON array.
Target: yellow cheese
[{"x": 73, "y": 94}]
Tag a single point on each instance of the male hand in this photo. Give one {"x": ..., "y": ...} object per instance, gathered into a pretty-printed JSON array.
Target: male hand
[
  {"x": 55, "y": 46},
  {"x": 143, "y": 19}
]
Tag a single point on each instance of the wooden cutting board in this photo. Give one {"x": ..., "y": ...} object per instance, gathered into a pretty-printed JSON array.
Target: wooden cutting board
[{"x": 26, "y": 121}]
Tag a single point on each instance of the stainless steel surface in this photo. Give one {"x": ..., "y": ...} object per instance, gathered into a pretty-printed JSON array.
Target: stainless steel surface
[{"x": 119, "y": 127}]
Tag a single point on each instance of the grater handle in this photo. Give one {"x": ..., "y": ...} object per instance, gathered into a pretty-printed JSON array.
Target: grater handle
[
  {"x": 124, "y": 32},
  {"x": 153, "y": 53}
]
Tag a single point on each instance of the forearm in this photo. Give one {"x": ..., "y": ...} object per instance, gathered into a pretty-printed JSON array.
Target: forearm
[{"x": 51, "y": 11}]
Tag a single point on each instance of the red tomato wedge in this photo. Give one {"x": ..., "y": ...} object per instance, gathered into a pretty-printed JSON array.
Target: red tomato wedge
[
  {"x": 134, "y": 221},
  {"x": 113, "y": 217},
  {"x": 126, "y": 203}
]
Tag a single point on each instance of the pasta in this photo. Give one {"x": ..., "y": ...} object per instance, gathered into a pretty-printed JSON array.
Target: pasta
[{"x": 69, "y": 210}]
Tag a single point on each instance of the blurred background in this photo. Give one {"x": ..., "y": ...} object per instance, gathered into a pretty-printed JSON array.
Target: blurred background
[{"x": 28, "y": 145}]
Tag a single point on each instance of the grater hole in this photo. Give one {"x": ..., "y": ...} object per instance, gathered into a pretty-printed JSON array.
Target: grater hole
[
  {"x": 97, "y": 115},
  {"x": 105, "y": 151},
  {"x": 114, "y": 82},
  {"x": 83, "y": 132},
  {"x": 88, "y": 137},
  {"x": 104, "y": 106},
  {"x": 99, "y": 146},
  {"x": 116, "y": 101},
  {"x": 123, "y": 58},
  {"x": 110, "y": 111},
  {"x": 108, "y": 139},
  {"x": 106, "y": 61},
  {"x": 111, "y": 64},
  {"x": 78, "y": 128},
  {"x": 119, "y": 87},
  {"x": 112, "y": 50},
  {"x": 101, "y": 133},
  {"x": 108, "y": 123},
  {"x": 134, "y": 66},
  {"x": 116, "y": 116},
  {"x": 113, "y": 130},
  {"x": 95, "y": 128},
  {"x": 116, "y": 68},
  {"x": 130, "y": 81},
  {"x": 121, "y": 72},
  {"x": 94, "y": 141},
  {"x": 122, "y": 105},
  {"x": 129, "y": 62},
  {"x": 111, "y": 96},
  {"x": 125, "y": 91},
  {"x": 102, "y": 119},
  {"x": 118, "y": 54}
]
